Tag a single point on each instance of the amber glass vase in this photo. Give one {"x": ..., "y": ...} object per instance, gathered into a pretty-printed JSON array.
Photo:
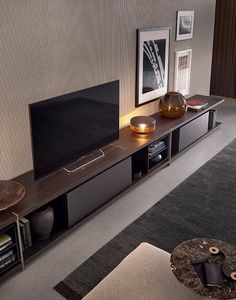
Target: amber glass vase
[{"x": 173, "y": 105}]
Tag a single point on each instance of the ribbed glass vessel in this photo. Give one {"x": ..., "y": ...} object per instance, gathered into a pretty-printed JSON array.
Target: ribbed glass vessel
[{"x": 173, "y": 105}]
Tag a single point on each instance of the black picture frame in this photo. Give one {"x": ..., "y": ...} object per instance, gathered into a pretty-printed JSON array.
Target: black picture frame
[{"x": 152, "y": 64}]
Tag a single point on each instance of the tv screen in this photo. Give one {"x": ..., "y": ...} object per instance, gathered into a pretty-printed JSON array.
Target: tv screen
[{"x": 67, "y": 127}]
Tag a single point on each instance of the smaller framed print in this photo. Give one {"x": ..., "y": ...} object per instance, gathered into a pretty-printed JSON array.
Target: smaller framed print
[
  {"x": 152, "y": 64},
  {"x": 183, "y": 61},
  {"x": 184, "y": 26}
]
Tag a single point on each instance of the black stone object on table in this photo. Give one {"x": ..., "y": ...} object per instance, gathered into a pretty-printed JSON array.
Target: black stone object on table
[{"x": 190, "y": 257}]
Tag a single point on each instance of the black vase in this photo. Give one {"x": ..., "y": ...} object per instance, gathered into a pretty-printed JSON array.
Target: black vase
[{"x": 41, "y": 222}]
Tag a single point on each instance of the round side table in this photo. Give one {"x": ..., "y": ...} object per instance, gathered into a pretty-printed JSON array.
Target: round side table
[{"x": 198, "y": 248}]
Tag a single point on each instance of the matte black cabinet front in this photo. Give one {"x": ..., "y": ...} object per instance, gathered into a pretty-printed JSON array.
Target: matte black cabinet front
[
  {"x": 89, "y": 196},
  {"x": 189, "y": 133}
]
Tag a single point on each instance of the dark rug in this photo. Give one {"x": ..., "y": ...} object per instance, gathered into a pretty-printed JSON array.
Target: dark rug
[{"x": 204, "y": 205}]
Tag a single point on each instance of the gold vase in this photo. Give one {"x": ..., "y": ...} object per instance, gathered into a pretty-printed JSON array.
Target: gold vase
[{"x": 173, "y": 105}]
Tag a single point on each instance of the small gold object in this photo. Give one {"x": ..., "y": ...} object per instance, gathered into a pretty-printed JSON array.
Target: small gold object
[
  {"x": 233, "y": 275},
  {"x": 214, "y": 250},
  {"x": 143, "y": 124}
]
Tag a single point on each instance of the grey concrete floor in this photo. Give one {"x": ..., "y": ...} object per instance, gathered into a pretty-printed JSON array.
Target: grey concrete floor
[{"x": 46, "y": 270}]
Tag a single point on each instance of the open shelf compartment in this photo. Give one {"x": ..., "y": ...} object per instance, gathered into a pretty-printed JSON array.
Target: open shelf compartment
[{"x": 9, "y": 251}]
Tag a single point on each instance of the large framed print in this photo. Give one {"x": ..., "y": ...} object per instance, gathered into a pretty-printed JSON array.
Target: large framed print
[
  {"x": 183, "y": 61},
  {"x": 152, "y": 64},
  {"x": 184, "y": 26}
]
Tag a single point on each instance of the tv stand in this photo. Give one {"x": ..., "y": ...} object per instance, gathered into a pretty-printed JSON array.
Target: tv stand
[
  {"x": 133, "y": 158},
  {"x": 92, "y": 158}
]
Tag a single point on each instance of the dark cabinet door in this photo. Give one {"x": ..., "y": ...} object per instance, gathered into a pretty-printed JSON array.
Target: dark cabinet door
[{"x": 223, "y": 76}]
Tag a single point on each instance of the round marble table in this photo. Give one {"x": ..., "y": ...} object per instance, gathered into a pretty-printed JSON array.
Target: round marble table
[{"x": 198, "y": 248}]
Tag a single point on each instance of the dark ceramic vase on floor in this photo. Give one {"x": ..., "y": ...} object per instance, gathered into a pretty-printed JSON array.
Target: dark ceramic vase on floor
[{"x": 41, "y": 222}]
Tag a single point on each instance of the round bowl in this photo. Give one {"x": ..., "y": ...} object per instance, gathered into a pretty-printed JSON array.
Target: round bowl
[
  {"x": 11, "y": 192},
  {"x": 143, "y": 124}
]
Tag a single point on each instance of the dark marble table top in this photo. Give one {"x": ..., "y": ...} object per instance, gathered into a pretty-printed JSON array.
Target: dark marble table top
[{"x": 198, "y": 248}]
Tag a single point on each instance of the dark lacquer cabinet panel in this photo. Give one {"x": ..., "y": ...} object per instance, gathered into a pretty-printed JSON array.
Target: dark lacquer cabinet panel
[{"x": 89, "y": 196}]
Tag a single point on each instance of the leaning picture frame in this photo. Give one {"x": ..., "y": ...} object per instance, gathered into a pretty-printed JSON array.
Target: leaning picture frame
[
  {"x": 184, "y": 25},
  {"x": 183, "y": 60},
  {"x": 152, "y": 64}
]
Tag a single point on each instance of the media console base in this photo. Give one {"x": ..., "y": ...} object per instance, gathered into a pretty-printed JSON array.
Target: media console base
[{"x": 74, "y": 196}]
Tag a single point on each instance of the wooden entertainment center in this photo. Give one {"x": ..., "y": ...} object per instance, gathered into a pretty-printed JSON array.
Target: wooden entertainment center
[{"x": 75, "y": 196}]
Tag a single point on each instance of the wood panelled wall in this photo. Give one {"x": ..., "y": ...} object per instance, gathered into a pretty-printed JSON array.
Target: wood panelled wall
[
  {"x": 223, "y": 78},
  {"x": 52, "y": 47}
]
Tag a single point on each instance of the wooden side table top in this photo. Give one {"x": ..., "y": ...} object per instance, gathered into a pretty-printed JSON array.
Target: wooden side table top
[{"x": 198, "y": 248}]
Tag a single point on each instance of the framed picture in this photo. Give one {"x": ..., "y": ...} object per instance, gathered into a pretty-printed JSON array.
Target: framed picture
[
  {"x": 184, "y": 26},
  {"x": 182, "y": 71},
  {"x": 152, "y": 64}
]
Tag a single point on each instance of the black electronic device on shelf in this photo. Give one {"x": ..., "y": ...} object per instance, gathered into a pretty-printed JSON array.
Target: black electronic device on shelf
[
  {"x": 158, "y": 152},
  {"x": 156, "y": 147}
]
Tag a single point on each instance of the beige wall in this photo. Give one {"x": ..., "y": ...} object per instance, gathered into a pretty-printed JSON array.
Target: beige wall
[{"x": 51, "y": 47}]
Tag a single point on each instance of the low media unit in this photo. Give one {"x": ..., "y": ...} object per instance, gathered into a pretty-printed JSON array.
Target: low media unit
[{"x": 76, "y": 196}]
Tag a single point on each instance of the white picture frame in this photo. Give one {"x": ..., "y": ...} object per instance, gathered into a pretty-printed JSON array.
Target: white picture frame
[
  {"x": 184, "y": 25},
  {"x": 152, "y": 64},
  {"x": 182, "y": 74}
]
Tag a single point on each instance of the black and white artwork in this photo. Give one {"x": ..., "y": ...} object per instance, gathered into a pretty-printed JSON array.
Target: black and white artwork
[
  {"x": 183, "y": 60},
  {"x": 184, "y": 27},
  {"x": 152, "y": 64}
]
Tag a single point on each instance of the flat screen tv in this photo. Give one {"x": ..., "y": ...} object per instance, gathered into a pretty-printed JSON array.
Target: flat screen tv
[{"x": 70, "y": 126}]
